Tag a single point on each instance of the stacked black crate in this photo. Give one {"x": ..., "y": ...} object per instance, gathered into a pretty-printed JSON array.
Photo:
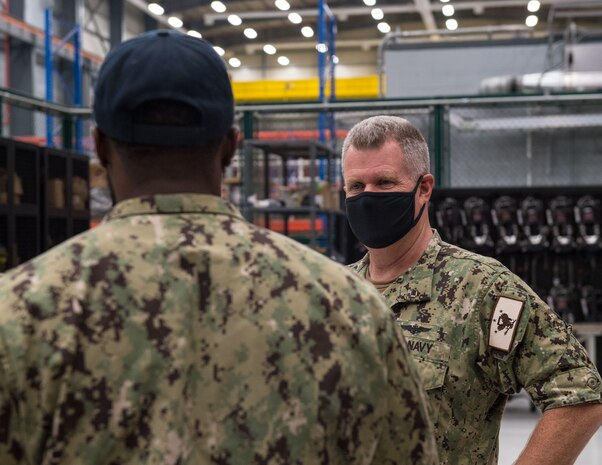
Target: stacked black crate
[{"x": 66, "y": 209}]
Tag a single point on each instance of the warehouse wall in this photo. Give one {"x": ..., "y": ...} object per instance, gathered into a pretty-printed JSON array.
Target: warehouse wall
[{"x": 457, "y": 68}]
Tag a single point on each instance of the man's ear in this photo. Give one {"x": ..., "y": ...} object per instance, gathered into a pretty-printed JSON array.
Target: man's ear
[
  {"x": 426, "y": 186},
  {"x": 229, "y": 147},
  {"x": 101, "y": 143}
]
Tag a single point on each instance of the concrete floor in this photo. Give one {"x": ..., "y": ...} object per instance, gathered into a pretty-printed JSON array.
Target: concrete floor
[{"x": 518, "y": 424}]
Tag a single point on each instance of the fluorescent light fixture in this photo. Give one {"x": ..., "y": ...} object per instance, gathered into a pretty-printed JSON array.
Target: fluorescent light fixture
[
  {"x": 220, "y": 51},
  {"x": 250, "y": 33},
  {"x": 218, "y": 7},
  {"x": 448, "y": 10},
  {"x": 175, "y": 22},
  {"x": 194, "y": 33},
  {"x": 335, "y": 59},
  {"x": 369, "y": 2},
  {"x": 269, "y": 49},
  {"x": 282, "y": 5},
  {"x": 377, "y": 14},
  {"x": 283, "y": 61},
  {"x": 322, "y": 48},
  {"x": 531, "y": 21},
  {"x": 451, "y": 24},
  {"x": 533, "y": 6},
  {"x": 295, "y": 18},
  {"x": 307, "y": 31},
  {"x": 156, "y": 9},
  {"x": 384, "y": 27},
  {"x": 234, "y": 20},
  {"x": 234, "y": 62}
]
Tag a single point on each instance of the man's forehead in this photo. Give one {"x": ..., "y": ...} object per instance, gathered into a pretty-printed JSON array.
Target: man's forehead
[{"x": 377, "y": 172}]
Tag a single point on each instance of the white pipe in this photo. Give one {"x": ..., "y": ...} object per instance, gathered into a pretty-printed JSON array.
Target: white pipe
[{"x": 555, "y": 81}]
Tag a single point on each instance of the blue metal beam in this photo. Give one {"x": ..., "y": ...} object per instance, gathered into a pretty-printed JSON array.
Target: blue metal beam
[
  {"x": 77, "y": 86},
  {"x": 49, "y": 73}
]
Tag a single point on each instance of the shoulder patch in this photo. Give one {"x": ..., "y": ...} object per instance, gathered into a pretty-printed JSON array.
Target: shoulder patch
[{"x": 504, "y": 322}]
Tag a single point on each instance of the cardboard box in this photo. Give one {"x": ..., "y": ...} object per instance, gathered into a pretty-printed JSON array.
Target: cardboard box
[
  {"x": 80, "y": 193},
  {"x": 56, "y": 193},
  {"x": 17, "y": 188},
  {"x": 98, "y": 175},
  {"x": 330, "y": 196}
]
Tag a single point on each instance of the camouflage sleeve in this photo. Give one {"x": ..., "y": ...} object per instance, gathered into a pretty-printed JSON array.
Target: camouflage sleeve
[
  {"x": 11, "y": 451},
  {"x": 408, "y": 437},
  {"x": 543, "y": 356}
]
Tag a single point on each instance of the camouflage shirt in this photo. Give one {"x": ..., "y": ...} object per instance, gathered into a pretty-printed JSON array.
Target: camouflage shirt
[
  {"x": 177, "y": 333},
  {"x": 445, "y": 305}
]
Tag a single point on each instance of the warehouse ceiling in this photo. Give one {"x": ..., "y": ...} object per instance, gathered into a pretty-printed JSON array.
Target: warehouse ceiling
[{"x": 364, "y": 23}]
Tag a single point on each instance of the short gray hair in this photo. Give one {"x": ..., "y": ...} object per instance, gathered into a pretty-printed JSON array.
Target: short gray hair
[{"x": 374, "y": 132}]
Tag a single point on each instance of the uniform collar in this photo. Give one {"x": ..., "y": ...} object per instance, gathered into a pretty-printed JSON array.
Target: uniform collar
[
  {"x": 416, "y": 283},
  {"x": 172, "y": 204}
]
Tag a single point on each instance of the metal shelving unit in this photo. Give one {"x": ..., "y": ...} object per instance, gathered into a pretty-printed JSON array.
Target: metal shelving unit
[
  {"x": 20, "y": 212},
  {"x": 63, "y": 220},
  {"x": 259, "y": 158}
]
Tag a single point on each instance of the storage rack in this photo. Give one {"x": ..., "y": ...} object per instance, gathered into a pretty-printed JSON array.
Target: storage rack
[
  {"x": 20, "y": 218},
  {"x": 60, "y": 223},
  {"x": 287, "y": 150},
  {"x": 26, "y": 218}
]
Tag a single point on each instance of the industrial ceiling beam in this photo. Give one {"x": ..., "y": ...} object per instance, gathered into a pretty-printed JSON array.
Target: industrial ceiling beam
[
  {"x": 342, "y": 13},
  {"x": 426, "y": 13}
]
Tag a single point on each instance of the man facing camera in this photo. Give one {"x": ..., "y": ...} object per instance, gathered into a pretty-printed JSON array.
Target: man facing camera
[{"x": 477, "y": 332}]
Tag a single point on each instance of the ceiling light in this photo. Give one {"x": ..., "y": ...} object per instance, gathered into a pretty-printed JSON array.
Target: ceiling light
[
  {"x": 335, "y": 59},
  {"x": 384, "y": 27},
  {"x": 283, "y": 61},
  {"x": 377, "y": 14},
  {"x": 370, "y": 2},
  {"x": 156, "y": 9},
  {"x": 531, "y": 21},
  {"x": 218, "y": 7},
  {"x": 250, "y": 33},
  {"x": 533, "y": 6},
  {"x": 448, "y": 10},
  {"x": 234, "y": 20},
  {"x": 451, "y": 24},
  {"x": 175, "y": 22},
  {"x": 282, "y": 5},
  {"x": 220, "y": 51},
  {"x": 307, "y": 31},
  {"x": 234, "y": 62},
  {"x": 322, "y": 48},
  {"x": 269, "y": 49},
  {"x": 194, "y": 33},
  {"x": 295, "y": 18},
  {"x": 444, "y": 1}
]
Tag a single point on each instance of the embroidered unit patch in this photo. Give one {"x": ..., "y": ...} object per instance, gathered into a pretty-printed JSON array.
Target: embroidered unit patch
[{"x": 504, "y": 323}]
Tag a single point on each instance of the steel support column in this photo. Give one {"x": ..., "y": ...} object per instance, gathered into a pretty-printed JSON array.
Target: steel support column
[
  {"x": 116, "y": 21},
  {"x": 22, "y": 65}
]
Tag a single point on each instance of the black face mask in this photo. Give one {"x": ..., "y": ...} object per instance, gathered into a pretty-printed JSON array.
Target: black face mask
[{"x": 379, "y": 219}]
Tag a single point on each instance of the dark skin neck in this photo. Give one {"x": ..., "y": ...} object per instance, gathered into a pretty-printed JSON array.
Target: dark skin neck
[{"x": 134, "y": 180}]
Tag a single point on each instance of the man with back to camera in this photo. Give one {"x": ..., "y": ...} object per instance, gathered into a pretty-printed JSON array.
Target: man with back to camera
[
  {"x": 176, "y": 332},
  {"x": 477, "y": 332}
]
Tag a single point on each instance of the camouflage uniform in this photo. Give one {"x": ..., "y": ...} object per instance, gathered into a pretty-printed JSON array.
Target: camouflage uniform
[
  {"x": 444, "y": 305},
  {"x": 177, "y": 333}
]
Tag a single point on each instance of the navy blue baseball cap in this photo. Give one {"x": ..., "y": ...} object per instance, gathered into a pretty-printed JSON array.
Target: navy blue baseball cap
[{"x": 169, "y": 66}]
